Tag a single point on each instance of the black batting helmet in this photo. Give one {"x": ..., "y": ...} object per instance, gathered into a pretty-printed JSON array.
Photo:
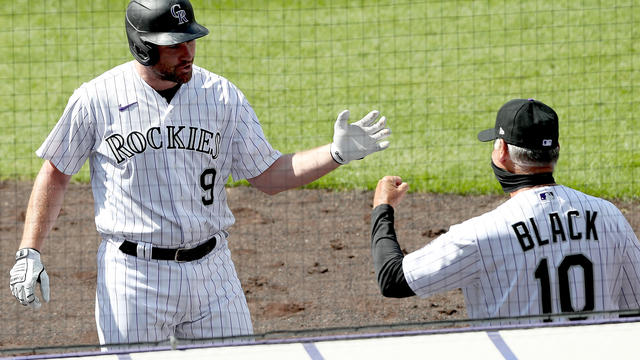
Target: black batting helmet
[{"x": 159, "y": 22}]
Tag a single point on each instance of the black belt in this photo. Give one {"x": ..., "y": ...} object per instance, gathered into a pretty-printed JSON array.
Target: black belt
[{"x": 179, "y": 255}]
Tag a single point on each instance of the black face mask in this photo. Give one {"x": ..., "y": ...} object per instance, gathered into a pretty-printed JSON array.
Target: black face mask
[{"x": 511, "y": 182}]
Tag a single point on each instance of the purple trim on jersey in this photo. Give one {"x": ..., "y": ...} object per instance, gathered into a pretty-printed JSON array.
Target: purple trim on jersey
[{"x": 499, "y": 343}]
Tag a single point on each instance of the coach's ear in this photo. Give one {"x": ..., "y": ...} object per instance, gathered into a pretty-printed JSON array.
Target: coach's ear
[{"x": 500, "y": 155}]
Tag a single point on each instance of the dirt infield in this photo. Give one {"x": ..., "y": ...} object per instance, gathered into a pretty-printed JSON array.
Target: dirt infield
[{"x": 303, "y": 257}]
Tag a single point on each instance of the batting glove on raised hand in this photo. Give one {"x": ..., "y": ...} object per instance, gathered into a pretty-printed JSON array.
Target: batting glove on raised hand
[
  {"x": 25, "y": 274},
  {"x": 357, "y": 140}
]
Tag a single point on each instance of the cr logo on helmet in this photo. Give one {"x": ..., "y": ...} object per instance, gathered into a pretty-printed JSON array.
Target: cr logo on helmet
[{"x": 179, "y": 14}]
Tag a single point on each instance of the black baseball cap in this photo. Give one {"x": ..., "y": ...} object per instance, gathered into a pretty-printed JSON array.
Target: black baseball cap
[{"x": 525, "y": 123}]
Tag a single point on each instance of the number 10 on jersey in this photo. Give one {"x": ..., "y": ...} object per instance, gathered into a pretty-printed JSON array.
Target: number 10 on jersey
[{"x": 564, "y": 287}]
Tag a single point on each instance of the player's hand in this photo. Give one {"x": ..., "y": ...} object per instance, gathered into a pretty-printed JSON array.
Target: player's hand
[
  {"x": 25, "y": 275},
  {"x": 357, "y": 140},
  {"x": 390, "y": 190}
]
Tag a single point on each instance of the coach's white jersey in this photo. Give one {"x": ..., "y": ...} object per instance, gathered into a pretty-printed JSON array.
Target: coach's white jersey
[
  {"x": 546, "y": 250},
  {"x": 158, "y": 169}
]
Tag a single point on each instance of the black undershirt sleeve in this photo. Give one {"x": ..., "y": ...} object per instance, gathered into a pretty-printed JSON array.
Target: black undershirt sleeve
[{"x": 387, "y": 255}]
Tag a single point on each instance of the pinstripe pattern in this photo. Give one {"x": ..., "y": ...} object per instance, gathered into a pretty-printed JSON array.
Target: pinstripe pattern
[
  {"x": 140, "y": 300},
  {"x": 497, "y": 273},
  {"x": 158, "y": 172},
  {"x": 155, "y": 195}
]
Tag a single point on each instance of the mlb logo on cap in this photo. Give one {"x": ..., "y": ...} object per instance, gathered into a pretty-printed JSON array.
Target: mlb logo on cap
[{"x": 547, "y": 142}]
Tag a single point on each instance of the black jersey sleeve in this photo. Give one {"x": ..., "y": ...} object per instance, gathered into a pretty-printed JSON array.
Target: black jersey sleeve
[{"x": 387, "y": 255}]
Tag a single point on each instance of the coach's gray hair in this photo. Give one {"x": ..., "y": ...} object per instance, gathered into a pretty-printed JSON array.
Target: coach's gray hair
[{"x": 527, "y": 158}]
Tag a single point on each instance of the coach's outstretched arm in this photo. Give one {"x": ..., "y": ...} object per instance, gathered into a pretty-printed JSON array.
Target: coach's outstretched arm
[
  {"x": 350, "y": 142},
  {"x": 387, "y": 255},
  {"x": 43, "y": 209}
]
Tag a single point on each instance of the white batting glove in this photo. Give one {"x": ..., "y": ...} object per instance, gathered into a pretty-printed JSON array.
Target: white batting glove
[
  {"x": 357, "y": 140},
  {"x": 25, "y": 274}
]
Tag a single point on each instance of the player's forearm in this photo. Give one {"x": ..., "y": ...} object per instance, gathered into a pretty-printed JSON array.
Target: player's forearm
[
  {"x": 311, "y": 165},
  {"x": 44, "y": 205},
  {"x": 294, "y": 170},
  {"x": 387, "y": 255}
]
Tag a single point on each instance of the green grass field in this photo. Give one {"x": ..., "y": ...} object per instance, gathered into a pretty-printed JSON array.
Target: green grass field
[{"x": 439, "y": 71}]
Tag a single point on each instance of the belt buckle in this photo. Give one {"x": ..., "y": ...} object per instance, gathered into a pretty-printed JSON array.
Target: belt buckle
[{"x": 175, "y": 258}]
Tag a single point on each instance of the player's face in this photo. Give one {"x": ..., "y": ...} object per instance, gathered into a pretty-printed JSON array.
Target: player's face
[{"x": 175, "y": 62}]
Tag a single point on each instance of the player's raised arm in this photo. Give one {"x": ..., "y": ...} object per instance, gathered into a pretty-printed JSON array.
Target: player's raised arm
[{"x": 350, "y": 142}]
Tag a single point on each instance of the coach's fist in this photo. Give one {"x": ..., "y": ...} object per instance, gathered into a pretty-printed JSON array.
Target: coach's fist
[
  {"x": 390, "y": 190},
  {"x": 25, "y": 274},
  {"x": 357, "y": 140}
]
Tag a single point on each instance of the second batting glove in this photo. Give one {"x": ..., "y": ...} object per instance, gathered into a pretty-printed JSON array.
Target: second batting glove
[
  {"x": 357, "y": 140},
  {"x": 25, "y": 275}
]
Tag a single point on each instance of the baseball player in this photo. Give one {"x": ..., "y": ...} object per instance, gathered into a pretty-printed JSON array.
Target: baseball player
[
  {"x": 162, "y": 136},
  {"x": 548, "y": 250}
]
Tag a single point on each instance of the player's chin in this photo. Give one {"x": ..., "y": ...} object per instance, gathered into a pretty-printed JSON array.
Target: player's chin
[{"x": 184, "y": 77}]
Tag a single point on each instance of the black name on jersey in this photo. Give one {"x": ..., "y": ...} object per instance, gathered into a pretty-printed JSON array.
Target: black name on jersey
[
  {"x": 528, "y": 233},
  {"x": 136, "y": 142}
]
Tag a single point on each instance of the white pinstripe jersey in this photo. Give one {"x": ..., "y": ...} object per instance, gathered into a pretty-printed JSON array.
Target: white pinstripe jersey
[
  {"x": 546, "y": 250},
  {"x": 158, "y": 169}
]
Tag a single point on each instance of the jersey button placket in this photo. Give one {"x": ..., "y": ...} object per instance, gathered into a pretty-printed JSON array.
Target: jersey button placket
[{"x": 169, "y": 165}]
